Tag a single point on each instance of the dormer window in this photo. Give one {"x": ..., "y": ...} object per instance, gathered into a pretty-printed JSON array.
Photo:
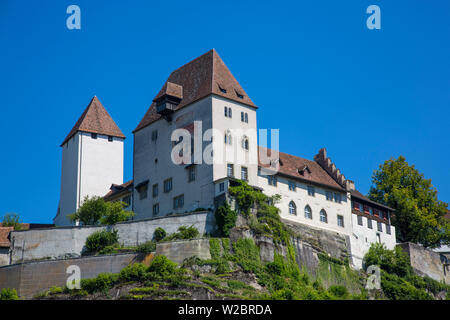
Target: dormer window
[
  {"x": 240, "y": 95},
  {"x": 222, "y": 89}
]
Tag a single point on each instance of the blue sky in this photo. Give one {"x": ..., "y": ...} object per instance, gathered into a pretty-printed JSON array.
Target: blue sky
[{"x": 313, "y": 68}]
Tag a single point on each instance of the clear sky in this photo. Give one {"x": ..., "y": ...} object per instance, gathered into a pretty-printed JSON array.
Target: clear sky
[{"x": 313, "y": 67}]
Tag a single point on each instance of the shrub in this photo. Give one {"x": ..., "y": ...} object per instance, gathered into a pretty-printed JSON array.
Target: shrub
[
  {"x": 161, "y": 266},
  {"x": 159, "y": 234},
  {"x": 339, "y": 291},
  {"x": 99, "y": 240},
  {"x": 184, "y": 233},
  {"x": 147, "y": 247},
  {"x": 392, "y": 261},
  {"x": 8, "y": 294},
  {"x": 225, "y": 219},
  {"x": 133, "y": 272},
  {"x": 12, "y": 220},
  {"x": 101, "y": 283}
]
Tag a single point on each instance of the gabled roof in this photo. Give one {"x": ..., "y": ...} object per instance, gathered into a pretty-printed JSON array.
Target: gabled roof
[
  {"x": 292, "y": 165},
  {"x": 197, "y": 79},
  {"x": 95, "y": 119},
  {"x": 118, "y": 189}
]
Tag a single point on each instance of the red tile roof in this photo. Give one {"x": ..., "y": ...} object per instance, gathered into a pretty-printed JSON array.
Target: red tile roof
[
  {"x": 116, "y": 189},
  {"x": 95, "y": 119},
  {"x": 355, "y": 193},
  {"x": 312, "y": 171},
  {"x": 4, "y": 233},
  {"x": 197, "y": 79}
]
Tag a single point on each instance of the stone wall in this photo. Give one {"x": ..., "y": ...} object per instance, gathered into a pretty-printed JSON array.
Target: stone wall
[
  {"x": 32, "y": 278},
  {"x": 426, "y": 262},
  {"x": 68, "y": 242},
  {"x": 177, "y": 251}
]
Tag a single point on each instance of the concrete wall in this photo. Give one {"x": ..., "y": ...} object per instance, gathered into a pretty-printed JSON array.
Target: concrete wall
[
  {"x": 177, "y": 251},
  {"x": 153, "y": 162},
  {"x": 68, "y": 242},
  {"x": 32, "y": 278},
  {"x": 89, "y": 167},
  {"x": 362, "y": 237},
  {"x": 426, "y": 262},
  {"x": 4, "y": 256}
]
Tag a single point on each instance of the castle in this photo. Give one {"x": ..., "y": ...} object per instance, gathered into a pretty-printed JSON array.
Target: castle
[{"x": 197, "y": 137}]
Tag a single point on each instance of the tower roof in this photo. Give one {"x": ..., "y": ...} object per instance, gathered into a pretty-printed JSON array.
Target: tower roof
[
  {"x": 197, "y": 79},
  {"x": 95, "y": 119}
]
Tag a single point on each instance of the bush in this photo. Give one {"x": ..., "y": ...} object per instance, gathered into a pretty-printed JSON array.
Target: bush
[
  {"x": 339, "y": 291},
  {"x": 101, "y": 283},
  {"x": 392, "y": 261},
  {"x": 99, "y": 240},
  {"x": 184, "y": 233},
  {"x": 159, "y": 234},
  {"x": 225, "y": 219},
  {"x": 147, "y": 247},
  {"x": 8, "y": 294},
  {"x": 161, "y": 266},
  {"x": 133, "y": 272},
  {"x": 12, "y": 220}
]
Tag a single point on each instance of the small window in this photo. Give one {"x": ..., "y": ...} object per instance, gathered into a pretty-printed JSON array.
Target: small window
[
  {"x": 178, "y": 202},
  {"x": 361, "y": 207},
  {"x": 230, "y": 170},
  {"x": 110, "y": 138},
  {"x": 155, "y": 190},
  {"x": 379, "y": 227},
  {"x": 168, "y": 185},
  {"x": 292, "y": 208},
  {"x": 337, "y": 197},
  {"x": 240, "y": 95},
  {"x": 93, "y": 135},
  {"x": 142, "y": 192},
  {"x": 226, "y": 111},
  {"x": 329, "y": 195},
  {"x": 292, "y": 185},
  {"x": 127, "y": 201},
  {"x": 223, "y": 90},
  {"x": 245, "y": 143},
  {"x": 369, "y": 223},
  {"x": 308, "y": 212},
  {"x": 191, "y": 174},
  {"x": 156, "y": 209},
  {"x": 242, "y": 116},
  {"x": 221, "y": 187},
  {"x": 154, "y": 135},
  {"x": 360, "y": 220},
  {"x": 246, "y": 117},
  {"x": 272, "y": 180},
  {"x": 323, "y": 216},
  {"x": 228, "y": 138},
  {"x": 388, "y": 229},
  {"x": 378, "y": 238},
  {"x": 340, "y": 221},
  {"x": 381, "y": 214},
  {"x": 311, "y": 191},
  {"x": 371, "y": 211},
  {"x": 244, "y": 173}
]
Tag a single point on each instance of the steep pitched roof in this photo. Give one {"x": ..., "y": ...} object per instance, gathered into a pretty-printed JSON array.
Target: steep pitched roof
[
  {"x": 197, "y": 79},
  {"x": 95, "y": 119},
  {"x": 292, "y": 166}
]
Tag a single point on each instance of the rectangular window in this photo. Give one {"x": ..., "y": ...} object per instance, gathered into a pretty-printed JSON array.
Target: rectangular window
[
  {"x": 272, "y": 180},
  {"x": 154, "y": 135},
  {"x": 244, "y": 173},
  {"x": 230, "y": 170},
  {"x": 142, "y": 192},
  {"x": 369, "y": 223},
  {"x": 361, "y": 207},
  {"x": 388, "y": 229},
  {"x": 168, "y": 185},
  {"x": 178, "y": 202},
  {"x": 311, "y": 191},
  {"x": 155, "y": 190},
  {"x": 156, "y": 209},
  {"x": 110, "y": 138},
  {"x": 191, "y": 174},
  {"x": 379, "y": 227},
  {"x": 360, "y": 220},
  {"x": 246, "y": 117},
  {"x": 340, "y": 221},
  {"x": 329, "y": 195},
  {"x": 337, "y": 197},
  {"x": 242, "y": 117},
  {"x": 292, "y": 185},
  {"x": 355, "y": 205},
  {"x": 381, "y": 214},
  {"x": 127, "y": 201},
  {"x": 371, "y": 211},
  {"x": 93, "y": 135},
  {"x": 221, "y": 187}
]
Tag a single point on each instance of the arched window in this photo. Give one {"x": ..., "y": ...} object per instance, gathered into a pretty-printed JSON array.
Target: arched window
[
  {"x": 308, "y": 212},
  {"x": 228, "y": 137},
  {"x": 292, "y": 208},
  {"x": 323, "y": 216},
  {"x": 245, "y": 142}
]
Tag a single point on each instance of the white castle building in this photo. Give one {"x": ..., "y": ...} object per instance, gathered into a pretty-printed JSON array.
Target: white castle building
[{"x": 219, "y": 121}]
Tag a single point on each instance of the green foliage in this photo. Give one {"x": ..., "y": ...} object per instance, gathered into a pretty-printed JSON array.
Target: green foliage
[
  {"x": 8, "y": 294},
  {"x": 159, "y": 234},
  {"x": 392, "y": 261},
  {"x": 133, "y": 272},
  {"x": 225, "y": 219},
  {"x": 340, "y": 292},
  {"x": 246, "y": 196},
  {"x": 147, "y": 247},
  {"x": 246, "y": 255},
  {"x": 397, "y": 288},
  {"x": 419, "y": 215},
  {"x": 102, "y": 283},
  {"x": 100, "y": 240},
  {"x": 96, "y": 210},
  {"x": 161, "y": 266},
  {"x": 184, "y": 233},
  {"x": 12, "y": 220}
]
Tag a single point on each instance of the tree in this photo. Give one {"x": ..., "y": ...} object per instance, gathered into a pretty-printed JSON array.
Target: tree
[
  {"x": 419, "y": 215},
  {"x": 95, "y": 210},
  {"x": 12, "y": 220}
]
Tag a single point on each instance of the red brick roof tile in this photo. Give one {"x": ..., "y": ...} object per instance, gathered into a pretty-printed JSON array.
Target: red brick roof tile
[
  {"x": 4, "y": 233},
  {"x": 95, "y": 119},
  {"x": 197, "y": 79}
]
